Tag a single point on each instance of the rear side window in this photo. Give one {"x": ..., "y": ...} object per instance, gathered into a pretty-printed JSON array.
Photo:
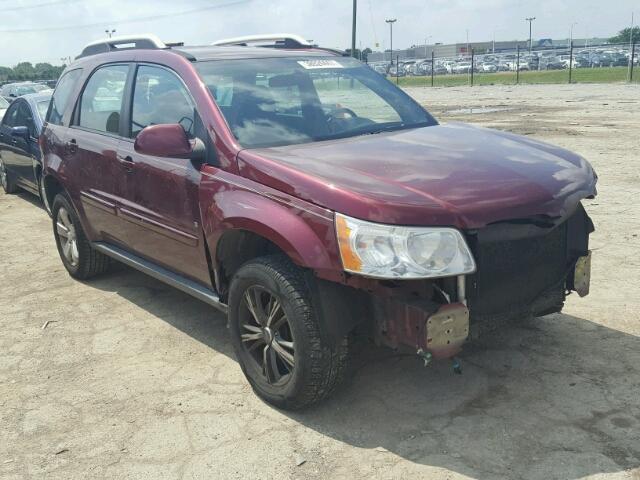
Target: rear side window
[
  {"x": 102, "y": 97},
  {"x": 61, "y": 96},
  {"x": 160, "y": 97}
]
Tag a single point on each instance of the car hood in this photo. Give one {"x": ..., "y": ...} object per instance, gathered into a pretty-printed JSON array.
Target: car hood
[{"x": 453, "y": 174}]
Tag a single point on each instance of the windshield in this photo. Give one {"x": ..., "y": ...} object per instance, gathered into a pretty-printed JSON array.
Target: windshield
[
  {"x": 24, "y": 90},
  {"x": 283, "y": 101}
]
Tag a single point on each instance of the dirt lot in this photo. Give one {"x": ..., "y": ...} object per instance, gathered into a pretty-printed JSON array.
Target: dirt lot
[{"x": 132, "y": 379}]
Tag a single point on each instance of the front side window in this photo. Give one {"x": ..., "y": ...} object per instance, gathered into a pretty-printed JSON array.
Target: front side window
[
  {"x": 102, "y": 98},
  {"x": 61, "y": 96},
  {"x": 159, "y": 97},
  {"x": 19, "y": 115},
  {"x": 25, "y": 118},
  {"x": 283, "y": 101}
]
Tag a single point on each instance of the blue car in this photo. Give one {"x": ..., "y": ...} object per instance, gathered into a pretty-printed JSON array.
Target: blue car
[{"x": 20, "y": 155}]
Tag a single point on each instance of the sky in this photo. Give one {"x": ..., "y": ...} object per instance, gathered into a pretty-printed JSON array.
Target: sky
[{"x": 48, "y": 30}]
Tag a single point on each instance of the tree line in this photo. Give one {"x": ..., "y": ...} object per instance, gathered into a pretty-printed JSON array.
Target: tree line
[{"x": 27, "y": 71}]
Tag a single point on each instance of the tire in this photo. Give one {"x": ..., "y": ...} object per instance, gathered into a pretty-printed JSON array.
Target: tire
[
  {"x": 80, "y": 260},
  {"x": 319, "y": 362},
  {"x": 5, "y": 179},
  {"x": 43, "y": 195}
]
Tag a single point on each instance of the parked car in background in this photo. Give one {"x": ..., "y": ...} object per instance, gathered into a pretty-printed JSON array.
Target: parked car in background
[
  {"x": 379, "y": 68},
  {"x": 221, "y": 171},
  {"x": 14, "y": 90},
  {"x": 397, "y": 71},
  {"x": 462, "y": 67},
  {"x": 4, "y": 104},
  {"x": 488, "y": 67},
  {"x": 550, "y": 63},
  {"x": 20, "y": 154}
]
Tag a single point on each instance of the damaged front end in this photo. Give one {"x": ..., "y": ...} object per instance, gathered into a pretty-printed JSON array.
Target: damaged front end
[{"x": 525, "y": 268}]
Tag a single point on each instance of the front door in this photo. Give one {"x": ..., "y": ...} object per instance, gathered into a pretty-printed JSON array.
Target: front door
[
  {"x": 91, "y": 150},
  {"x": 27, "y": 147},
  {"x": 18, "y": 151},
  {"x": 161, "y": 201}
]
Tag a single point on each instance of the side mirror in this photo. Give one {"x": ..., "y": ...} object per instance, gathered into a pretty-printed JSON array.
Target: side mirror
[
  {"x": 22, "y": 132},
  {"x": 169, "y": 140}
]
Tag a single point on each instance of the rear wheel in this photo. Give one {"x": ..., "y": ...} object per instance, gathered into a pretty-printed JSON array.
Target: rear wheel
[
  {"x": 5, "y": 179},
  {"x": 76, "y": 253},
  {"x": 277, "y": 337}
]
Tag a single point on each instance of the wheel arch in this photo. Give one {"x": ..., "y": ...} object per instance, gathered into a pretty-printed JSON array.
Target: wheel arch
[
  {"x": 52, "y": 187},
  {"x": 253, "y": 225}
]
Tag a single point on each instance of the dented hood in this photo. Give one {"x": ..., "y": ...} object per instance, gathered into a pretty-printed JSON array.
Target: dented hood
[{"x": 452, "y": 174}]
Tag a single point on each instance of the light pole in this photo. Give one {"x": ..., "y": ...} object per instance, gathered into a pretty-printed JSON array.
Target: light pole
[
  {"x": 426, "y": 41},
  {"x": 571, "y": 34},
  {"x": 353, "y": 29},
  {"x": 110, "y": 32},
  {"x": 631, "y": 50},
  {"x": 530, "y": 20},
  {"x": 467, "y": 41},
  {"x": 391, "y": 21},
  {"x": 494, "y": 38}
]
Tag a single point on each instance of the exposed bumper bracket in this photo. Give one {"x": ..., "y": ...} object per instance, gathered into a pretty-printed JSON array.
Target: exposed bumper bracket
[{"x": 447, "y": 329}]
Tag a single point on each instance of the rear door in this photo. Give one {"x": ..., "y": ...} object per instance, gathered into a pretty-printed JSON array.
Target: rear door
[
  {"x": 161, "y": 202},
  {"x": 91, "y": 148}
]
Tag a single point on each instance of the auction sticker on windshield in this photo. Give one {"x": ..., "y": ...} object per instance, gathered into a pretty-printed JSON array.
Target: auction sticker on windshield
[{"x": 315, "y": 64}]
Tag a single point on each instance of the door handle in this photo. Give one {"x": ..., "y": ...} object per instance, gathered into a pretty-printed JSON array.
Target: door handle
[
  {"x": 127, "y": 162},
  {"x": 72, "y": 146}
]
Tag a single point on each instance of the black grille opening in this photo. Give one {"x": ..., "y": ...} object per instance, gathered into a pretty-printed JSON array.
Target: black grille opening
[{"x": 517, "y": 277}]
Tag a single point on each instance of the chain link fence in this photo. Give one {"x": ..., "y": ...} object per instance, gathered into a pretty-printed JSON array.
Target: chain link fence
[{"x": 568, "y": 64}]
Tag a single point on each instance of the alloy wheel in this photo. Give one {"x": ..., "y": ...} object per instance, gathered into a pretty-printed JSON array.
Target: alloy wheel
[
  {"x": 266, "y": 335},
  {"x": 68, "y": 238}
]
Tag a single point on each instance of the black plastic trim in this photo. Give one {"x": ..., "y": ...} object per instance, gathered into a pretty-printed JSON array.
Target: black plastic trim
[{"x": 159, "y": 273}]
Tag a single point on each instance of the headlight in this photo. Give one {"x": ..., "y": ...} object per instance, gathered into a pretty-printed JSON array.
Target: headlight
[{"x": 389, "y": 251}]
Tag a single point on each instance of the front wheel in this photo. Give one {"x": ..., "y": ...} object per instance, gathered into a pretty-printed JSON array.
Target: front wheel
[{"x": 277, "y": 336}]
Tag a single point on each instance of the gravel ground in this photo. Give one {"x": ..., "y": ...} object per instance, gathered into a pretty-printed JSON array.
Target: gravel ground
[{"x": 132, "y": 379}]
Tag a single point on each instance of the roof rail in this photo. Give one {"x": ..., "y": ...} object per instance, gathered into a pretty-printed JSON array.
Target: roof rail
[
  {"x": 146, "y": 41},
  {"x": 277, "y": 40}
]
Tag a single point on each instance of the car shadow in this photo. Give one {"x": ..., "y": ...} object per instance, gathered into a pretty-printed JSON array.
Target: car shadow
[
  {"x": 31, "y": 198},
  {"x": 558, "y": 397},
  {"x": 195, "y": 318}
]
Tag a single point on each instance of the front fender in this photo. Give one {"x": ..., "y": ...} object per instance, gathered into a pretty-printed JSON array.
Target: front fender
[{"x": 303, "y": 231}]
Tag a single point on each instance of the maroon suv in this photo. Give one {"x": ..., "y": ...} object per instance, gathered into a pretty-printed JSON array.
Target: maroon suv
[{"x": 309, "y": 198}]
